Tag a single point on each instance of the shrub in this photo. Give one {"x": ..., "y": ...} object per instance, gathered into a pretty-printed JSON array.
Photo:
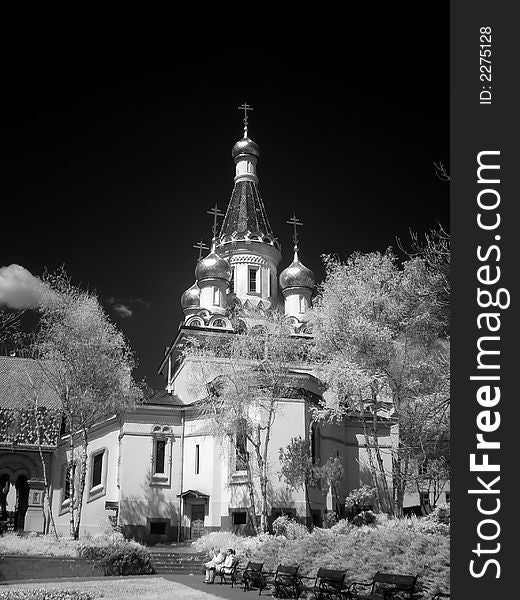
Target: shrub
[
  {"x": 330, "y": 519},
  {"x": 366, "y": 517},
  {"x": 117, "y": 555},
  {"x": 243, "y": 546},
  {"x": 11, "y": 543},
  {"x": 289, "y": 528},
  {"x": 46, "y": 594},
  {"x": 360, "y": 497}
]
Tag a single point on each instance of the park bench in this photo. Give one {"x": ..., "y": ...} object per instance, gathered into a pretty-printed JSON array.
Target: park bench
[
  {"x": 328, "y": 584},
  {"x": 228, "y": 573},
  {"x": 252, "y": 576},
  {"x": 385, "y": 586},
  {"x": 286, "y": 581}
]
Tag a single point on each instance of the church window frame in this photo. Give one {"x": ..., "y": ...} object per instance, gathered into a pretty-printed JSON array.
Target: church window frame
[
  {"x": 97, "y": 474},
  {"x": 161, "y": 455},
  {"x": 197, "y": 459},
  {"x": 216, "y": 296},
  {"x": 301, "y": 304},
  {"x": 254, "y": 280},
  {"x": 241, "y": 453}
]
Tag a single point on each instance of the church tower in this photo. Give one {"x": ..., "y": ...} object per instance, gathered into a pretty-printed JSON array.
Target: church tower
[
  {"x": 242, "y": 265},
  {"x": 246, "y": 239}
]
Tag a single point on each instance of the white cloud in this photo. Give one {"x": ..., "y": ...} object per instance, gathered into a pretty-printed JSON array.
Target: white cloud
[
  {"x": 126, "y": 307},
  {"x": 123, "y": 310},
  {"x": 20, "y": 289}
]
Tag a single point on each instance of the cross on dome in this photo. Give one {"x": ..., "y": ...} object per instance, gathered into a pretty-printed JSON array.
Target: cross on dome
[
  {"x": 200, "y": 246},
  {"x": 245, "y": 107},
  {"x": 295, "y": 222},
  {"x": 216, "y": 212}
]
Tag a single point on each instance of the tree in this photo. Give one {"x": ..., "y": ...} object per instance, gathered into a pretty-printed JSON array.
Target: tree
[
  {"x": 298, "y": 468},
  {"x": 331, "y": 473},
  {"x": 242, "y": 376},
  {"x": 88, "y": 364},
  {"x": 381, "y": 338},
  {"x": 9, "y": 329}
]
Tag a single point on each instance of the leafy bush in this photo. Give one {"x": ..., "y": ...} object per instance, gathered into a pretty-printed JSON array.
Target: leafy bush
[
  {"x": 329, "y": 520},
  {"x": 366, "y": 517},
  {"x": 243, "y": 546},
  {"x": 117, "y": 555},
  {"x": 360, "y": 497},
  {"x": 363, "y": 551},
  {"x": 46, "y": 594},
  {"x": 289, "y": 528},
  {"x": 396, "y": 545},
  {"x": 12, "y": 543}
]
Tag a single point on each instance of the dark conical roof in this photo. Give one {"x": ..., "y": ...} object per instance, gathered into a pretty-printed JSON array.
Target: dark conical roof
[{"x": 246, "y": 215}]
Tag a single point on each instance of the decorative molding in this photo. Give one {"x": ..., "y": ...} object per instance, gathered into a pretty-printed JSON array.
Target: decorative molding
[{"x": 251, "y": 259}]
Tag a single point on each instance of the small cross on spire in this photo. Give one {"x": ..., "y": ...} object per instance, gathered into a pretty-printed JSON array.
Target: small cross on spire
[
  {"x": 216, "y": 214},
  {"x": 201, "y": 246},
  {"x": 245, "y": 107},
  {"x": 295, "y": 222}
]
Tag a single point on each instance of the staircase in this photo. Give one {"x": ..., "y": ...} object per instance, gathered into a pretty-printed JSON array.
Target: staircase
[{"x": 178, "y": 562}]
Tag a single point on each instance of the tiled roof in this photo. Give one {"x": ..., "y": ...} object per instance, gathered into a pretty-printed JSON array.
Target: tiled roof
[
  {"x": 19, "y": 379},
  {"x": 246, "y": 214}
]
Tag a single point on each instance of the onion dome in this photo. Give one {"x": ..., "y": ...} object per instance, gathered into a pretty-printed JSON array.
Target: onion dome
[
  {"x": 191, "y": 297},
  {"x": 245, "y": 146},
  {"x": 213, "y": 267},
  {"x": 297, "y": 275}
]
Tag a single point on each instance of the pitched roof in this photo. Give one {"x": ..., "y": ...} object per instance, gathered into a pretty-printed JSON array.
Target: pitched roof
[
  {"x": 163, "y": 398},
  {"x": 246, "y": 214},
  {"x": 20, "y": 379}
]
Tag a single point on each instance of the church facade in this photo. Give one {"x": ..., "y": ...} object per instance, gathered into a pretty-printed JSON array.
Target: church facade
[{"x": 160, "y": 474}]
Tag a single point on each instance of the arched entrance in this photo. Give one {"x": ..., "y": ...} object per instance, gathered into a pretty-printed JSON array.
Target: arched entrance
[{"x": 22, "y": 502}]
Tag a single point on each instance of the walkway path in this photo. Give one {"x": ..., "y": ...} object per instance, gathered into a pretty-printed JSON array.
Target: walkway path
[{"x": 195, "y": 582}]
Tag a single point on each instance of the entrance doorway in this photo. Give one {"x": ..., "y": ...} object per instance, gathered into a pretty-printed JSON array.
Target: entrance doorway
[
  {"x": 22, "y": 502},
  {"x": 197, "y": 521}
]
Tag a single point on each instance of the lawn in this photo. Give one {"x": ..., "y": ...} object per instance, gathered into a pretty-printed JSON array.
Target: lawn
[{"x": 155, "y": 588}]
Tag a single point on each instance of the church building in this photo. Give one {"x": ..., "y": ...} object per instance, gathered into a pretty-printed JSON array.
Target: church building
[{"x": 160, "y": 474}]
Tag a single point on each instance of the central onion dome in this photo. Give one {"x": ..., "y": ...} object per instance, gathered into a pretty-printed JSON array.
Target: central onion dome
[
  {"x": 191, "y": 297},
  {"x": 245, "y": 146},
  {"x": 213, "y": 267},
  {"x": 297, "y": 275}
]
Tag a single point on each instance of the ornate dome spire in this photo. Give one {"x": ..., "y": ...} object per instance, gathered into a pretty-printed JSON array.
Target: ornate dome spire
[
  {"x": 296, "y": 275},
  {"x": 246, "y": 217}
]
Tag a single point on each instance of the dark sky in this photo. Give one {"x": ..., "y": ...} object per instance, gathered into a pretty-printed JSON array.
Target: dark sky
[{"x": 114, "y": 149}]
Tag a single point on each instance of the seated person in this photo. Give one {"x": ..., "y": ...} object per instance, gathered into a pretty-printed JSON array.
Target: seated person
[
  {"x": 227, "y": 566},
  {"x": 211, "y": 565}
]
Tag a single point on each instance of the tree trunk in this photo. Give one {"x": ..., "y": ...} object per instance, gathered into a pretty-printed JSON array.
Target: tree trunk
[
  {"x": 308, "y": 503},
  {"x": 262, "y": 467},
  {"x": 72, "y": 481},
  {"x": 370, "y": 459},
  {"x": 83, "y": 477},
  {"x": 46, "y": 498},
  {"x": 381, "y": 464},
  {"x": 251, "y": 489},
  {"x": 401, "y": 476}
]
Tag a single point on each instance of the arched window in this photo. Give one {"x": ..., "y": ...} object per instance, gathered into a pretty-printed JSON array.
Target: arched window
[{"x": 161, "y": 454}]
